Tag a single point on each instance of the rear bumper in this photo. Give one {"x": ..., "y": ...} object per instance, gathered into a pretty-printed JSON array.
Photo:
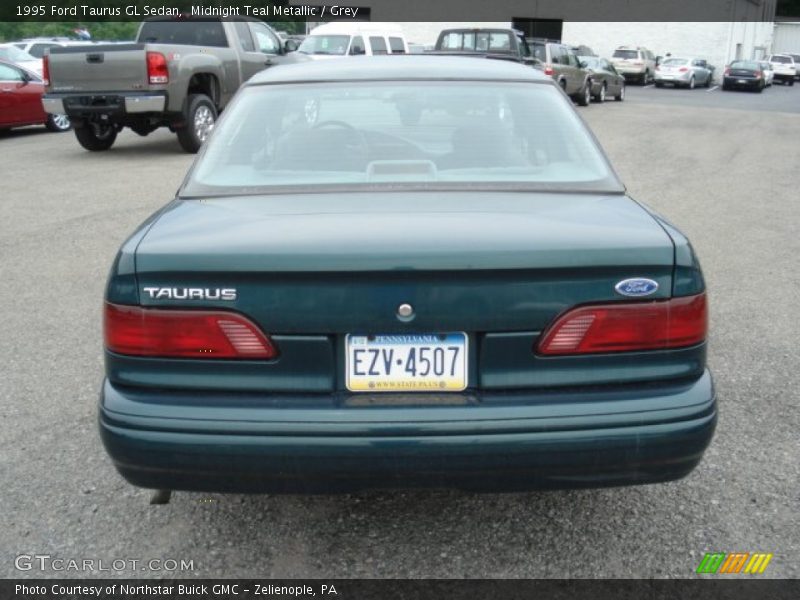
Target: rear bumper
[
  {"x": 316, "y": 444},
  {"x": 743, "y": 83},
  {"x": 110, "y": 105}
]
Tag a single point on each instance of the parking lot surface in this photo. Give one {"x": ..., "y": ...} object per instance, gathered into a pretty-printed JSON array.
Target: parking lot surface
[{"x": 722, "y": 170}]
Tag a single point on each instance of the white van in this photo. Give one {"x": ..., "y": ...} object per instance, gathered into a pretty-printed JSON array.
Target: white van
[{"x": 348, "y": 38}]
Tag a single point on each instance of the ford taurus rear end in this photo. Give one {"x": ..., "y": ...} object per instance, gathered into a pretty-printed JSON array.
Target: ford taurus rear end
[{"x": 437, "y": 282}]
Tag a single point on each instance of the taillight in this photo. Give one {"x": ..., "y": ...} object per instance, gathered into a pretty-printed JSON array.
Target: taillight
[
  {"x": 46, "y": 69},
  {"x": 627, "y": 327},
  {"x": 727, "y": 71},
  {"x": 548, "y": 70},
  {"x": 157, "y": 71},
  {"x": 138, "y": 331},
  {"x": 683, "y": 69},
  {"x": 757, "y": 73}
]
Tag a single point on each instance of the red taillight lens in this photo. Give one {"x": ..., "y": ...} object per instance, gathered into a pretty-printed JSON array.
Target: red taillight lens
[
  {"x": 46, "y": 69},
  {"x": 727, "y": 71},
  {"x": 683, "y": 69},
  {"x": 757, "y": 73},
  {"x": 157, "y": 71},
  {"x": 548, "y": 70},
  {"x": 138, "y": 331},
  {"x": 628, "y": 327}
]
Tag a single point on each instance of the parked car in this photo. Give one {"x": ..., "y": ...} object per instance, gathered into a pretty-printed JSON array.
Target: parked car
[
  {"x": 769, "y": 74},
  {"x": 605, "y": 79},
  {"x": 560, "y": 62},
  {"x": 474, "y": 302},
  {"x": 796, "y": 58},
  {"x": 744, "y": 74},
  {"x": 784, "y": 67},
  {"x": 21, "y": 100},
  {"x": 10, "y": 53},
  {"x": 347, "y": 38},
  {"x": 635, "y": 63},
  {"x": 180, "y": 74},
  {"x": 684, "y": 72}
]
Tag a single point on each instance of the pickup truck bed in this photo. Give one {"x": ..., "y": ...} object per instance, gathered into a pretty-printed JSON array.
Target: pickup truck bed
[{"x": 180, "y": 74}]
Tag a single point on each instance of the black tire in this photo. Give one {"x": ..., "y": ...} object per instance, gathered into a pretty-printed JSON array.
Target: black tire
[
  {"x": 600, "y": 97},
  {"x": 725, "y": 87},
  {"x": 659, "y": 84},
  {"x": 791, "y": 82},
  {"x": 201, "y": 115},
  {"x": 95, "y": 137},
  {"x": 691, "y": 83},
  {"x": 621, "y": 94},
  {"x": 585, "y": 95},
  {"x": 58, "y": 123},
  {"x": 646, "y": 78},
  {"x": 760, "y": 88}
]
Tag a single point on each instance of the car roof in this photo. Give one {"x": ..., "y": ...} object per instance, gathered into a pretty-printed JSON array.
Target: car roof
[{"x": 383, "y": 68}]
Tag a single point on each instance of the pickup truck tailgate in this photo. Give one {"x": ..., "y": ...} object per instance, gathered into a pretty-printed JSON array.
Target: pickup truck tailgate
[{"x": 100, "y": 68}]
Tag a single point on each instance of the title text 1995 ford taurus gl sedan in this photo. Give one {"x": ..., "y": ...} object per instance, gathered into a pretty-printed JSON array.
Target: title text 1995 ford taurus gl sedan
[{"x": 437, "y": 281}]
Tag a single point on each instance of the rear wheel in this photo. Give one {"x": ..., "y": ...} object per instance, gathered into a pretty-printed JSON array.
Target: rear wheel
[
  {"x": 201, "y": 115},
  {"x": 659, "y": 84},
  {"x": 791, "y": 82},
  {"x": 96, "y": 137},
  {"x": 621, "y": 94},
  {"x": 691, "y": 83},
  {"x": 57, "y": 123}
]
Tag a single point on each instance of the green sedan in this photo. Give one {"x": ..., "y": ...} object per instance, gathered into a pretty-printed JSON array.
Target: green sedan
[{"x": 438, "y": 281}]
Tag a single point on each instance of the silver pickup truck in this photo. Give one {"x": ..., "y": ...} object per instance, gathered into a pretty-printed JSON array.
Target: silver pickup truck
[{"x": 180, "y": 73}]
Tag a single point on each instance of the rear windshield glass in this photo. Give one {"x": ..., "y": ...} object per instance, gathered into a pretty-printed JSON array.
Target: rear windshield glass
[
  {"x": 479, "y": 41},
  {"x": 539, "y": 50},
  {"x": 393, "y": 133},
  {"x": 186, "y": 33},
  {"x": 626, "y": 54},
  {"x": 325, "y": 44},
  {"x": 745, "y": 64},
  {"x": 675, "y": 62},
  {"x": 781, "y": 59}
]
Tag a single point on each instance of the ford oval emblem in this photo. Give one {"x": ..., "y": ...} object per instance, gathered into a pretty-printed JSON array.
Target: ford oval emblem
[{"x": 636, "y": 287}]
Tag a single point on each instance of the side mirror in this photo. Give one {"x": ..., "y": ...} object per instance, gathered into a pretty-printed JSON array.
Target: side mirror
[{"x": 290, "y": 45}]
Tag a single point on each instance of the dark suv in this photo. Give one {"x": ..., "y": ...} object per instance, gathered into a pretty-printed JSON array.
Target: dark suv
[{"x": 561, "y": 63}]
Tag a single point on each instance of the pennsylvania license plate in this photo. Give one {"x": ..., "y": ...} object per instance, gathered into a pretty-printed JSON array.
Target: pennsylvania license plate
[{"x": 406, "y": 362}]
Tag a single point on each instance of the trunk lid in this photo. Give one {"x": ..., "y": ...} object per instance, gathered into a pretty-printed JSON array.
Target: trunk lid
[{"x": 325, "y": 263}]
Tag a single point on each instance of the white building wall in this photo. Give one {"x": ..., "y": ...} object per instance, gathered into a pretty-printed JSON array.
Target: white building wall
[{"x": 787, "y": 37}]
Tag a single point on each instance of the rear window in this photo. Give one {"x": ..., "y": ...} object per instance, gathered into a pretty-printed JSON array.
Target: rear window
[
  {"x": 185, "y": 33},
  {"x": 675, "y": 62},
  {"x": 432, "y": 134},
  {"x": 781, "y": 59},
  {"x": 745, "y": 64},
  {"x": 397, "y": 46},
  {"x": 626, "y": 54},
  {"x": 478, "y": 41},
  {"x": 539, "y": 50}
]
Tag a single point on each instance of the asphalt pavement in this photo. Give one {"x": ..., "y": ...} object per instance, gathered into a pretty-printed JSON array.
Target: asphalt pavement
[{"x": 723, "y": 167}]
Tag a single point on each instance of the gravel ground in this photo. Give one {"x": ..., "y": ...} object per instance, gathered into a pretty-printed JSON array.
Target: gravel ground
[{"x": 727, "y": 177}]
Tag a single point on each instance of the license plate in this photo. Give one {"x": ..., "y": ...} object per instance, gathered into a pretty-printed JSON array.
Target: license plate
[
  {"x": 406, "y": 362},
  {"x": 741, "y": 81}
]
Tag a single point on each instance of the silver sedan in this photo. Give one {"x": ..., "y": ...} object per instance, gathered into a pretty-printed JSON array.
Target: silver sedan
[{"x": 684, "y": 72}]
